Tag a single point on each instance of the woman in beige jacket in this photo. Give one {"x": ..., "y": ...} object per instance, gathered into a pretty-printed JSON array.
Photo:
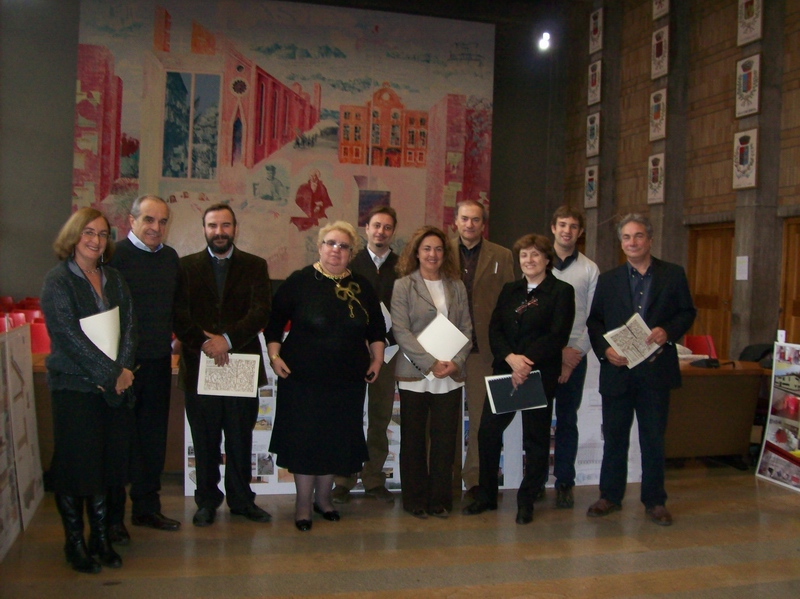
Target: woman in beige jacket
[{"x": 430, "y": 389}]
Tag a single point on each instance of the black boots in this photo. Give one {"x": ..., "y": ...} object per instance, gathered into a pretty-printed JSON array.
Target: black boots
[
  {"x": 99, "y": 543},
  {"x": 71, "y": 510}
]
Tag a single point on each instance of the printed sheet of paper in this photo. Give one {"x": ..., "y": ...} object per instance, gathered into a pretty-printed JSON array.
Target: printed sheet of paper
[
  {"x": 238, "y": 378},
  {"x": 629, "y": 341},
  {"x": 103, "y": 330}
]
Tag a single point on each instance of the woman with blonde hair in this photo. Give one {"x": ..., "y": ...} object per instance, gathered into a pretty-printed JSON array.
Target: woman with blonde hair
[
  {"x": 333, "y": 349},
  {"x": 430, "y": 389},
  {"x": 90, "y": 391}
]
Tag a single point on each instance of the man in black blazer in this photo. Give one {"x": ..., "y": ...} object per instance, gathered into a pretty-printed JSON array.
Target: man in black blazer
[
  {"x": 377, "y": 266},
  {"x": 659, "y": 292},
  {"x": 223, "y": 301}
]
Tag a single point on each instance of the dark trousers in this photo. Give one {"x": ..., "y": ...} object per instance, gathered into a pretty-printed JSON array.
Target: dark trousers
[
  {"x": 209, "y": 416},
  {"x": 535, "y": 443},
  {"x": 151, "y": 385},
  {"x": 568, "y": 401},
  {"x": 428, "y": 420},
  {"x": 651, "y": 406}
]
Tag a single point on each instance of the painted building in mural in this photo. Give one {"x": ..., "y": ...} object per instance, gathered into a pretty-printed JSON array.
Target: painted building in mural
[
  {"x": 459, "y": 157},
  {"x": 383, "y": 132},
  {"x": 213, "y": 111},
  {"x": 96, "y": 142}
]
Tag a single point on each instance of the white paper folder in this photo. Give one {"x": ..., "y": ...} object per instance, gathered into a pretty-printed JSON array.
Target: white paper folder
[{"x": 442, "y": 339}]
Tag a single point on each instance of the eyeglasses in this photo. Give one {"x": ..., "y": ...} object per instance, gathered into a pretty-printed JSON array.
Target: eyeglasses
[
  {"x": 89, "y": 234},
  {"x": 346, "y": 247}
]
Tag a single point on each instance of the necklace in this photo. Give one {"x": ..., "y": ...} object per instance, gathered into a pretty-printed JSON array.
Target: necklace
[
  {"x": 94, "y": 271},
  {"x": 348, "y": 293},
  {"x": 327, "y": 275}
]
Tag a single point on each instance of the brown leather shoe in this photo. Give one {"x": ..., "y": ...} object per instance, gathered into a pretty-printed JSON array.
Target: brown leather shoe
[
  {"x": 659, "y": 515},
  {"x": 602, "y": 507}
]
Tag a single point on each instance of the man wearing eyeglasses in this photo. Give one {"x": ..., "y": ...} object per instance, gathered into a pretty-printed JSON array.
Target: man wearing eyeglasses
[
  {"x": 223, "y": 302},
  {"x": 377, "y": 266},
  {"x": 659, "y": 292},
  {"x": 151, "y": 270}
]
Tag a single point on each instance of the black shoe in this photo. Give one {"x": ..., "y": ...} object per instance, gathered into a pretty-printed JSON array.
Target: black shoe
[
  {"x": 253, "y": 513},
  {"x": 478, "y": 507},
  {"x": 303, "y": 525},
  {"x": 204, "y": 516},
  {"x": 564, "y": 497},
  {"x": 118, "y": 534},
  {"x": 419, "y": 513},
  {"x": 99, "y": 544},
  {"x": 157, "y": 520},
  {"x": 331, "y": 516},
  {"x": 524, "y": 515},
  {"x": 441, "y": 513}
]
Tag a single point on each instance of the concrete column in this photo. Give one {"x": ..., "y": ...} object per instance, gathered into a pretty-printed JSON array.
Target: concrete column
[{"x": 759, "y": 230}]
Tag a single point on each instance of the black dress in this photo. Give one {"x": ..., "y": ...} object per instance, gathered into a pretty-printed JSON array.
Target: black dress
[{"x": 318, "y": 425}]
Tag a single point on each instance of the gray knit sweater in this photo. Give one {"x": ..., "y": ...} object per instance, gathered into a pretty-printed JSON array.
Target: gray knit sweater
[{"x": 75, "y": 363}]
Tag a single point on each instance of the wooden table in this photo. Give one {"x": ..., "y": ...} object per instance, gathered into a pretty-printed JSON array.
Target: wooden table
[{"x": 712, "y": 413}]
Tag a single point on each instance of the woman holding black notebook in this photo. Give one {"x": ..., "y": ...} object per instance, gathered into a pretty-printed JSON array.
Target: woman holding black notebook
[{"x": 530, "y": 326}]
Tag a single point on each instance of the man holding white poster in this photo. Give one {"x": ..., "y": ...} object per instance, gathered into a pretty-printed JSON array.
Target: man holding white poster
[
  {"x": 223, "y": 301},
  {"x": 659, "y": 292}
]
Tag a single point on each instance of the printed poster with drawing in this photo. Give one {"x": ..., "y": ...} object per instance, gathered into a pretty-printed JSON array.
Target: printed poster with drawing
[
  {"x": 238, "y": 378},
  {"x": 629, "y": 341},
  {"x": 780, "y": 453}
]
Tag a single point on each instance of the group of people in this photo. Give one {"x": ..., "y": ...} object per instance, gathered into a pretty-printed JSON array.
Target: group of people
[{"x": 110, "y": 409}]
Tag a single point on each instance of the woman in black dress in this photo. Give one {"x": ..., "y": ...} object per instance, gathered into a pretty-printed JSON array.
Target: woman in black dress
[
  {"x": 334, "y": 348},
  {"x": 530, "y": 326},
  {"x": 90, "y": 391}
]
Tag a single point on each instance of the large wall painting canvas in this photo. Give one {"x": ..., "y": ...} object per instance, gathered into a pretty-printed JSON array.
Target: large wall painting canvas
[{"x": 294, "y": 114}]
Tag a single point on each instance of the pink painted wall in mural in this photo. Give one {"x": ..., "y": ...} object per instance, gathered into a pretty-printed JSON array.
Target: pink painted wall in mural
[{"x": 294, "y": 114}]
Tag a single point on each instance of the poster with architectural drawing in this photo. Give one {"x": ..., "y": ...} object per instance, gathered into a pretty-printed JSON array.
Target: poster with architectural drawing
[
  {"x": 780, "y": 452},
  {"x": 237, "y": 378},
  {"x": 294, "y": 114}
]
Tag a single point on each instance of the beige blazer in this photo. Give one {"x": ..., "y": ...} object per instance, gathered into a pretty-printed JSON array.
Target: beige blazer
[
  {"x": 495, "y": 269},
  {"x": 412, "y": 310}
]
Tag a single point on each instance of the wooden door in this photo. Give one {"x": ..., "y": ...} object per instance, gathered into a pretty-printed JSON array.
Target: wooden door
[
  {"x": 790, "y": 281},
  {"x": 711, "y": 282}
]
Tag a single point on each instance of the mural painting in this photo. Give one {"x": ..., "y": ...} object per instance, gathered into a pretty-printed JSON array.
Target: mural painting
[{"x": 294, "y": 114}]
